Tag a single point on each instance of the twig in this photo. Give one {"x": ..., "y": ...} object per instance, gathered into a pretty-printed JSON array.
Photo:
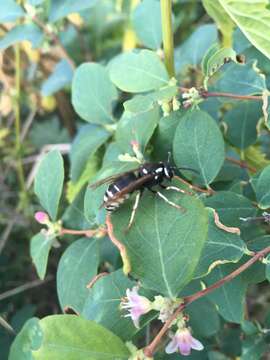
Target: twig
[
  {"x": 88, "y": 233},
  {"x": 242, "y": 164},
  {"x": 150, "y": 349},
  {"x": 167, "y": 35},
  {"x": 205, "y": 94},
  {"x": 24, "y": 287}
]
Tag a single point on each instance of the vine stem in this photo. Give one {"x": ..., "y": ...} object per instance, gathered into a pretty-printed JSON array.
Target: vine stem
[
  {"x": 150, "y": 349},
  {"x": 17, "y": 111},
  {"x": 89, "y": 233},
  {"x": 206, "y": 94},
  {"x": 167, "y": 34}
]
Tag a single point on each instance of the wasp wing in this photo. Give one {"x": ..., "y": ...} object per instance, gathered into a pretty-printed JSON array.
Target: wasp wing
[
  {"x": 135, "y": 185},
  {"x": 110, "y": 179}
]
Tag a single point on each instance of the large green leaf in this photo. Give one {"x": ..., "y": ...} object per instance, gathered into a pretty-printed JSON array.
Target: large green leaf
[
  {"x": 261, "y": 186},
  {"x": 242, "y": 122},
  {"x": 240, "y": 79},
  {"x": 93, "y": 93},
  {"x": 198, "y": 144},
  {"x": 40, "y": 247},
  {"x": 230, "y": 207},
  {"x": 103, "y": 304},
  {"x": 67, "y": 337},
  {"x": 148, "y": 28},
  {"x": 192, "y": 50},
  {"x": 28, "y": 339},
  {"x": 253, "y": 18},
  {"x": 164, "y": 244},
  {"x": 230, "y": 297},
  {"x": 49, "y": 182},
  {"x": 138, "y": 127},
  {"x": 138, "y": 71},
  {"x": 87, "y": 141},
  {"x": 77, "y": 267},
  {"x": 221, "y": 247}
]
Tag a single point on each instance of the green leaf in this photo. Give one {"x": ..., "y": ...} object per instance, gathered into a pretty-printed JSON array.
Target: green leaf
[
  {"x": 138, "y": 71},
  {"x": 40, "y": 247},
  {"x": 242, "y": 122},
  {"x": 69, "y": 337},
  {"x": 204, "y": 318},
  {"x": 223, "y": 21},
  {"x": 138, "y": 127},
  {"x": 254, "y": 347},
  {"x": 60, "y": 9},
  {"x": 11, "y": 11},
  {"x": 240, "y": 79},
  {"x": 60, "y": 77},
  {"x": 230, "y": 297},
  {"x": 197, "y": 138},
  {"x": 103, "y": 304},
  {"x": 141, "y": 103},
  {"x": 221, "y": 247},
  {"x": 164, "y": 244},
  {"x": 192, "y": 50},
  {"x": 49, "y": 182},
  {"x": 253, "y": 19},
  {"x": 77, "y": 267},
  {"x": 230, "y": 207},
  {"x": 28, "y": 339},
  {"x": 148, "y": 28},
  {"x": 93, "y": 93},
  {"x": 261, "y": 187},
  {"x": 214, "y": 59},
  {"x": 20, "y": 33},
  {"x": 87, "y": 141}
]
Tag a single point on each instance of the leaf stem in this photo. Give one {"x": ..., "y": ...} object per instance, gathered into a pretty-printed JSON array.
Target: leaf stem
[
  {"x": 206, "y": 94},
  {"x": 17, "y": 111},
  {"x": 150, "y": 349},
  {"x": 167, "y": 34}
]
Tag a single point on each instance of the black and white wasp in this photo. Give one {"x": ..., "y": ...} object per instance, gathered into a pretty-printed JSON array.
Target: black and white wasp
[{"x": 147, "y": 176}]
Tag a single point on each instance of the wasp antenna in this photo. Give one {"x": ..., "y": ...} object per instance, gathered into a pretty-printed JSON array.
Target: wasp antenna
[{"x": 186, "y": 168}]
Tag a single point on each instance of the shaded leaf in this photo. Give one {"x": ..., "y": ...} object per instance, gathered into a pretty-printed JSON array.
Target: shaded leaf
[
  {"x": 40, "y": 247},
  {"x": 197, "y": 138},
  {"x": 49, "y": 182},
  {"x": 103, "y": 304},
  {"x": 60, "y": 77},
  {"x": 87, "y": 141},
  {"x": 93, "y": 93},
  {"x": 77, "y": 267},
  {"x": 60, "y": 9},
  {"x": 261, "y": 187},
  {"x": 242, "y": 123},
  {"x": 148, "y": 28},
  {"x": 19, "y": 33},
  {"x": 11, "y": 11},
  {"x": 220, "y": 247}
]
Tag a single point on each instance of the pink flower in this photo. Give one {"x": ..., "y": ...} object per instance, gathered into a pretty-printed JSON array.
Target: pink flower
[
  {"x": 136, "y": 305},
  {"x": 42, "y": 217},
  {"x": 183, "y": 342}
]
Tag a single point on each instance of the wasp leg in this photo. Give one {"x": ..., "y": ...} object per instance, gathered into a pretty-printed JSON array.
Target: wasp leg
[
  {"x": 134, "y": 209},
  {"x": 170, "y": 202},
  {"x": 176, "y": 189}
]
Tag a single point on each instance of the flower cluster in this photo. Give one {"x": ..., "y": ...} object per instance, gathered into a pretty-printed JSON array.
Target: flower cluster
[{"x": 182, "y": 341}]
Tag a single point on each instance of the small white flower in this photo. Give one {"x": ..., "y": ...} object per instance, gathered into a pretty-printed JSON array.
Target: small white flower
[
  {"x": 183, "y": 342},
  {"x": 136, "y": 305}
]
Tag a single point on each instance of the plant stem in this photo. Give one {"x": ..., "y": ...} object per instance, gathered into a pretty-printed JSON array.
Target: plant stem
[
  {"x": 17, "y": 110},
  {"x": 167, "y": 35},
  {"x": 150, "y": 349}
]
